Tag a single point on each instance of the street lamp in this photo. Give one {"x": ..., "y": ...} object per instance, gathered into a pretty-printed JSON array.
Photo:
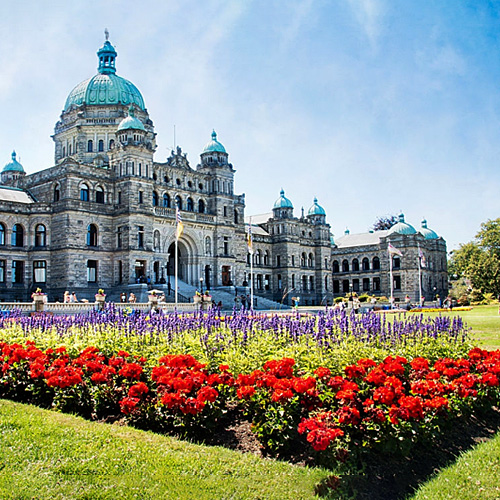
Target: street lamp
[{"x": 201, "y": 285}]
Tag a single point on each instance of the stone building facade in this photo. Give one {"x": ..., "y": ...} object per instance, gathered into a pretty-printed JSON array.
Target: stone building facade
[{"x": 104, "y": 216}]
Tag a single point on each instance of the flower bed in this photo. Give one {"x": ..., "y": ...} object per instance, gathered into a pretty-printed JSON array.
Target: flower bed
[{"x": 371, "y": 404}]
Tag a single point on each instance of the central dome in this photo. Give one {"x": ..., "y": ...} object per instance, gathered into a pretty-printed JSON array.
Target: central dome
[{"x": 106, "y": 87}]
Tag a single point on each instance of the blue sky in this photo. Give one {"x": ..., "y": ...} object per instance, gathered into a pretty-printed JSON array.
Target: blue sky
[{"x": 372, "y": 106}]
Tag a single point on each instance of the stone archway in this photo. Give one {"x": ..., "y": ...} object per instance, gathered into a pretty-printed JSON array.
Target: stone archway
[{"x": 188, "y": 260}]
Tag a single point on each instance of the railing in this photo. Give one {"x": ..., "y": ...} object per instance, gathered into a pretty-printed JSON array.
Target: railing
[
  {"x": 186, "y": 216},
  {"x": 84, "y": 307}
]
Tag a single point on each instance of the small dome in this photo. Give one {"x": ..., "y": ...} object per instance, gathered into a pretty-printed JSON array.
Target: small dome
[
  {"x": 106, "y": 87},
  {"x": 14, "y": 165},
  {"x": 402, "y": 227},
  {"x": 214, "y": 146},
  {"x": 316, "y": 209},
  {"x": 282, "y": 202},
  {"x": 131, "y": 122},
  {"x": 427, "y": 233}
]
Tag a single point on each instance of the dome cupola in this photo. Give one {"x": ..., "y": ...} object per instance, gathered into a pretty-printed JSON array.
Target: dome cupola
[
  {"x": 283, "y": 207},
  {"x": 401, "y": 227},
  {"x": 14, "y": 165},
  {"x": 214, "y": 146},
  {"x": 12, "y": 172},
  {"x": 427, "y": 233},
  {"x": 131, "y": 122},
  {"x": 214, "y": 153},
  {"x": 316, "y": 209}
]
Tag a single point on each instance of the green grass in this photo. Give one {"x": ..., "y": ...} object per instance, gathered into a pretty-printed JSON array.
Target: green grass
[
  {"x": 49, "y": 455},
  {"x": 474, "y": 476},
  {"x": 485, "y": 324}
]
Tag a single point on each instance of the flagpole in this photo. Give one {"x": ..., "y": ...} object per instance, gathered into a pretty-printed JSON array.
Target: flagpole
[
  {"x": 176, "y": 266},
  {"x": 419, "y": 277},
  {"x": 392, "y": 280},
  {"x": 251, "y": 281}
]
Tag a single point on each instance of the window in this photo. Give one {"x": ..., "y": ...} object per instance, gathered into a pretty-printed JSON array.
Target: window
[
  {"x": 326, "y": 263},
  {"x": 92, "y": 235},
  {"x": 336, "y": 286},
  {"x": 141, "y": 201},
  {"x": 335, "y": 266},
  {"x": 366, "y": 284},
  {"x": 17, "y": 271},
  {"x": 178, "y": 202},
  {"x": 140, "y": 236},
  {"x": 2, "y": 234},
  {"x": 155, "y": 199},
  {"x": 396, "y": 263},
  {"x": 355, "y": 265},
  {"x": 39, "y": 271},
  {"x": 258, "y": 258},
  {"x": 166, "y": 200},
  {"x": 166, "y": 179},
  {"x": 236, "y": 216},
  {"x": 278, "y": 261},
  {"x": 40, "y": 235},
  {"x": 345, "y": 266},
  {"x": 190, "y": 205},
  {"x": 376, "y": 284},
  {"x": 345, "y": 286},
  {"x": 111, "y": 144},
  {"x": 99, "y": 195},
  {"x": 293, "y": 281},
  {"x": 119, "y": 237},
  {"x": 90, "y": 146},
  {"x": 92, "y": 271},
  {"x": 120, "y": 272},
  {"x": 280, "y": 284},
  {"x": 84, "y": 192},
  {"x": 156, "y": 241},
  {"x": 303, "y": 260},
  {"x": 225, "y": 211},
  {"x": 355, "y": 285},
  {"x": 3, "y": 265},
  {"x": 397, "y": 282},
  {"x": 119, "y": 200},
  {"x": 266, "y": 258},
  {"x": 326, "y": 283},
  {"x": 201, "y": 207},
  {"x": 365, "y": 264},
  {"x": 310, "y": 261},
  {"x": 101, "y": 145},
  {"x": 375, "y": 263},
  {"x": 57, "y": 193},
  {"x": 226, "y": 245},
  {"x": 304, "y": 283},
  {"x": 178, "y": 181},
  {"x": 311, "y": 283},
  {"x": 17, "y": 236}
]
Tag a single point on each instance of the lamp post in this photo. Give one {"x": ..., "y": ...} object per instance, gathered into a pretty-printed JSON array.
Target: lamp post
[{"x": 201, "y": 286}]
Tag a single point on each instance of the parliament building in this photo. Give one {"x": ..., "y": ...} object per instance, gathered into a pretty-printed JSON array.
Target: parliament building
[{"x": 104, "y": 216}]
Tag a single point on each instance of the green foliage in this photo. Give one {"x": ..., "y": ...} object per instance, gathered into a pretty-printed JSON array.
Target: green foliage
[{"x": 384, "y": 222}]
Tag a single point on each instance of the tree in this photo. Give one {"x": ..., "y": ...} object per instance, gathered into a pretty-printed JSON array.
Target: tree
[
  {"x": 384, "y": 222},
  {"x": 479, "y": 260}
]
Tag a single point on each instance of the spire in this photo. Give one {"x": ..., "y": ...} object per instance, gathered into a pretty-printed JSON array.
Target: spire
[
  {"x": 13, "y": 156},
  {"x": 214, "y": 135},
  {"x": 107, "y": 55}
]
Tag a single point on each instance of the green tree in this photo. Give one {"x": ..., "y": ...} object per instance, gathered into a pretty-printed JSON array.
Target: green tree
[
  {"x": 384, "y": 222},
  {"x": 479, "y": 260}
]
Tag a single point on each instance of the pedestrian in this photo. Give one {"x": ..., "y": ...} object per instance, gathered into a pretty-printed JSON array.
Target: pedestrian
[
  {"x": 244, "y": 301},
  {"x": 132, "y": 298},
  {"x": 67, "y": 297},
  {"x": 73, "y": 297}
]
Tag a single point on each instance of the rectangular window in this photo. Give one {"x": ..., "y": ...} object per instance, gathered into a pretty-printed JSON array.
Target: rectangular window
[
  {"x": 120, "y": 272},
  {"x": 293, "y": 260},
  {"x": 366, "y": 284},
  {"x": 17, "y": 271},
  {"x": 225, "y": 211},
  {"x": 376, "y": 284},
  {"x": 92, "y": 271},
  {"x": 119, "y": 201},
  {"x": 397, "y": 282},
  {"x": 355, "y": 285},
  {"x": 226, "y": 245},
  {"x": 3, "y": 267},
  {"x": 278, "y": 261},
  {"x": 140, "y": 236},
  {"x": 140, "y": 198},
  {"x": 119, "y": 237},
  {"x": 336, "y": 286},
  {"x": 40, "y": 271}
]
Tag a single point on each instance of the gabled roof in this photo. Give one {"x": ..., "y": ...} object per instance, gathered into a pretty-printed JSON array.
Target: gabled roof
[
  {"x": 361, "y": 239},
  {"x": 8, "y": 193}
]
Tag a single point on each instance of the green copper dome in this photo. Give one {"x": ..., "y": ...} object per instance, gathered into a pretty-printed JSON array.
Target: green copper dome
[
  {"x": 214, "y": 146},
  {"x": 282, "y": 202},
  {"x": 427, "y": 233},
  {"x": 402, "y": 227},
  {"x": 316, "y": 209},
  {"x": 106, "y": 87},
  {"x": 14, "y": 165},
  {"x": 131, "y": 122}
]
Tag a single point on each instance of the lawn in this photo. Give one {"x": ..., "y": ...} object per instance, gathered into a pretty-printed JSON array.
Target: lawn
[{"x": 49, "y": 455}]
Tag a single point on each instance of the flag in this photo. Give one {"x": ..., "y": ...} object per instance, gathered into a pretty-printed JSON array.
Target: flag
[
  {"x": 180, "y": 225},
  {"x": 393, "y": 250},
  {"x": 421, "y": 255},
  {"x": 249, "y": 239}
]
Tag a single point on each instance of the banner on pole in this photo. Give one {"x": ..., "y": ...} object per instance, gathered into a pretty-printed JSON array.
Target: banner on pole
[
  {"x": 393, "y": 250},
  {"x": 180, "y": 225}
]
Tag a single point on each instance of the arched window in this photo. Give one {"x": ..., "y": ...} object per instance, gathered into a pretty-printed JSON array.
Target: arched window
[
  {"x": 201, "y": 207},
  {"x": 166, "y": 200},
  {"x": 335, "y": 266},
  {"x": 57, "y": 193},
  {"x": 178, "y": 202},
  {"x": 258, "y": 257},
  {"x": 355, "y": 264},
  {"x": 90, "y": 146},
  {"x": 189, "y": 205},
  {"x": 326, "y": 283},
  {"x": 303, "y": 259},
  {"x": 310, "y": 261},
  {"x": 92, "y": 235},
  {"x": 101, "y": 145},
  {"x": 156, "y": 241},
  {"x": 266, "y": 258},
  {"x": 345, "y": 266},
  {"x": 365, "y": 264},
  {"x": 311, "y": 283},
  {"x": 375, "y": 263},
  {"x": 84, "y": 192},
  {"x": 2, "y": 234},
  {"x": 155, "y": 199},
  {"x": 99, "y": 195},
  {"x": 40, "y": 235},
  {"x": 208, "y": 246}
]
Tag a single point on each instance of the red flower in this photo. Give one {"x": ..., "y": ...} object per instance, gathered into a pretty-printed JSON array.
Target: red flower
[
  {"x": 128, "y": 405},
  {"x": 131, "y": 371},
  {"x": 137, "y": 390},
  {"x": 245, "y": 392},
  {"x": 322, "y": 372},
  {"x": 207, "y": 394},
  {"x": 349, "y": 415}
]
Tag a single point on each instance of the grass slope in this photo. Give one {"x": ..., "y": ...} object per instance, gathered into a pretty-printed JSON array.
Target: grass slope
[{"x": 48, "y": 455}]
